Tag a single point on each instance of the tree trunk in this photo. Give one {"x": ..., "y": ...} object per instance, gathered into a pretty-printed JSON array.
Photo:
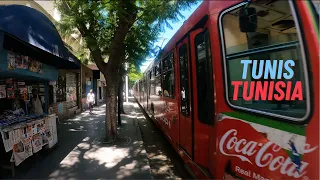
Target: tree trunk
[
  {"x": 119, "y": 113},
  {"x": 111, "y": 113},
  {"x": 121, "y": 86}
]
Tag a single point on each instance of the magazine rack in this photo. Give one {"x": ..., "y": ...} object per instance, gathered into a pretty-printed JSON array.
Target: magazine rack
[{"x": 26, "y": 139}]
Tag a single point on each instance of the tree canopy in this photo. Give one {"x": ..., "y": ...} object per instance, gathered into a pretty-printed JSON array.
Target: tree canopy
[
  {"x": 100, "y": 21},
  {"x": 122, "y": 31}
]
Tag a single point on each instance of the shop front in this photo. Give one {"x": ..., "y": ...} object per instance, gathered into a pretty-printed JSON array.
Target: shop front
[
  {"x": 101, "y": 88},
  {"x": 31, "y": 54},
  {"x": 64, "y": 99},
  {"x": 86, "y": 85}
]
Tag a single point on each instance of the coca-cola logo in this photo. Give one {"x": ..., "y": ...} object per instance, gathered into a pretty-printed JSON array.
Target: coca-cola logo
[{"x": 262, "y": 154}]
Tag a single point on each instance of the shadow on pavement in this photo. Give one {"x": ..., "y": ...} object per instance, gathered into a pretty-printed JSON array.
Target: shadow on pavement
[{"x": 78, "y": 154}]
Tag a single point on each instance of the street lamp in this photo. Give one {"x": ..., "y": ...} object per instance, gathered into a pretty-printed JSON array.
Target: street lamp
[{"x": 127, "y": 90}]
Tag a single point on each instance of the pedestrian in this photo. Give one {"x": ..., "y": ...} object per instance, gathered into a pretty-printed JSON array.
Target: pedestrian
[
  {"x": 90, "y": 100},
  {"x": 36, "y": 103}
]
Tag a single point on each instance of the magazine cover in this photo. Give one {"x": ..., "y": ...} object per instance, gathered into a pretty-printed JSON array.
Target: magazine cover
[
  {"x": 33, "y": 66},
  {"x": 7, "y": 141},
  {"x": 48, "y": 134},
  {"x": 44, "y": 138},
  {"x": 36, "y": 143},
  {"x": 19, "y": 153},
  {"x": 29, "y": 131},
  {"x": 10, "y": 92},
  {"x": 40, "y": 126},
  {"x": 28, "y": 147},
  {"x": 11, "y": 61},
  {"x": 35, "y": 129},
  {"x": 3, "y": 92},
  {"x": 22, "y": 62}
]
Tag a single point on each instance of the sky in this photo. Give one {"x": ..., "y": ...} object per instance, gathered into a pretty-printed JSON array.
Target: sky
[{"x": 168, "y": 32}]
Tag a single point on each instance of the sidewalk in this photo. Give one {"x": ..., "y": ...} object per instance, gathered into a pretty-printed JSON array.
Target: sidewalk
[{"x": 79, "y": 155}]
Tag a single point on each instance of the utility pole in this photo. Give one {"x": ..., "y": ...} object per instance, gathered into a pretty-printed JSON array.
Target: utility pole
[{"x": 127, "y": 90}]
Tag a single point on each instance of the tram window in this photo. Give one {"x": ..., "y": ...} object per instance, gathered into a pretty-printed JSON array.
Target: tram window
[
  {"x": 168, "y": 76},
  {"x": 157, "y": 81},
  {"x": 204, "y": 78},
  {"x": 276, "y": 38},
  {"x": 152, "y": 83},
  {"x": 149, "y": 83},
  {"x": 184, "y": 80},
  {"x": 158, "y": 86},
  {"x": 158, "y": 69}
]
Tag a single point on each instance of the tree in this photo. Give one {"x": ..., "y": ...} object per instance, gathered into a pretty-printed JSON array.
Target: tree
[
  {"x": 123, "y": 31},
  {"x": 134, "y": 74}
]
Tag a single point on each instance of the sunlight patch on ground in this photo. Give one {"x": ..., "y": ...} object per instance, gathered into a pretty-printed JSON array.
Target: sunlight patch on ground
[
  {"x": 160, "y": 157},
  {"x": 109, "y": 156},
  {"x": 127, "y": 170},
  {"x": 71, "y": 159},
  {"x": 77, "y": 130},
  {"x": 84, "y": 145},
  {"x": 164, "y": 169}
]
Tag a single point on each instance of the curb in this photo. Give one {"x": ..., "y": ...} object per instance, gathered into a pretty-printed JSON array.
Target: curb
[{"x": 144, "y": 151}]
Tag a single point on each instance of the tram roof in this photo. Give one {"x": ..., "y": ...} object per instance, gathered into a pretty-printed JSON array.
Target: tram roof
[{"x": 188, "y": 24}]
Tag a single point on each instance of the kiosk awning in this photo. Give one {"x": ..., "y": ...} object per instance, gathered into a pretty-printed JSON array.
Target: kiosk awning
[{"x": 28, "y": 31}]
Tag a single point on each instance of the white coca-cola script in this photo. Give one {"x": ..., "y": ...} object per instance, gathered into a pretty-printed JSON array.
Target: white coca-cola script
[{"x": 230, "y": 145}]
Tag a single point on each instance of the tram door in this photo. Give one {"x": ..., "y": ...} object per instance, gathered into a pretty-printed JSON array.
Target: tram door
[{"x": 185, "y": 133}]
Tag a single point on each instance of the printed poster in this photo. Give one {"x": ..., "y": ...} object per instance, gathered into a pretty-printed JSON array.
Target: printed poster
[
  {"x": 22, "y": 62},
  {"x": 11, "y": 61},
  {"x": 71, "y": 94},
  {"x": 36, "y": 143},
  {"x": 35, "y": 66},
  {"x": 22, "y": 150},
  {"x": 35, "y": 129},
  {"x": 10, "y": 92},
  {"x": 7, "y": 142},
  {"x": 17, "y": 134},
  {"x": 24, "y": 92},
  {"x": 48, "y": 134},
  {"x": 28, "y": 147},
  {"x": 3, "y": 92},
  {"x": 41, "y": 126},
  {"x": 19, "y": 153},
  {"x": 44, "y": 138},
  {"x": 27, "y": 132}
]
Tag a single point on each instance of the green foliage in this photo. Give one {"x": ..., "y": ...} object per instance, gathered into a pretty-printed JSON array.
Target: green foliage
[
  {"x": 99, "y": 21},
  {"x": 133, "y": 75}
]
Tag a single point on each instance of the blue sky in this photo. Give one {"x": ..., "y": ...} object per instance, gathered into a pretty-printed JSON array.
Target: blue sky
[{"x": 168, "y": 33}]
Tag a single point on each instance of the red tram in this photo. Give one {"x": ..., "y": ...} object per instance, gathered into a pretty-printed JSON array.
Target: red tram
[{"x": 187, "y": 91}]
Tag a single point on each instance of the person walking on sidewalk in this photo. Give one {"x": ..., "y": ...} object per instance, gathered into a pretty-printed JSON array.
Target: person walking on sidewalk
[
  {"x": 90, "y": 100},
  {"x": 36, "y": 103}
]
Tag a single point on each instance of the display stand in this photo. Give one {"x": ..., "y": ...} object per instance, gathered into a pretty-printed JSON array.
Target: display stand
[{"x": 28, "y": 143}]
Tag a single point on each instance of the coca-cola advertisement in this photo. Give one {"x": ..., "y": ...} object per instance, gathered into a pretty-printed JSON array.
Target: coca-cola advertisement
[{"x": 253, "y": 151}]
